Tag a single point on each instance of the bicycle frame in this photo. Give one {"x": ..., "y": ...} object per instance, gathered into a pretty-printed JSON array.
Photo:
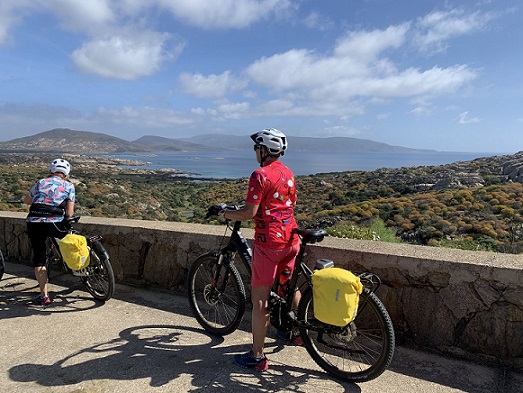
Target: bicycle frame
[{"x": 238, "y": 243}]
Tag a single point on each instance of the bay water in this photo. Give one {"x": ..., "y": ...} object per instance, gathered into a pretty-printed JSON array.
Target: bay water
[{"x": 237, "y": 164}]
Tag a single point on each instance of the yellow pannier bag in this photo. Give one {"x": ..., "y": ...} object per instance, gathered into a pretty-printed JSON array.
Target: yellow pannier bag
[
  {"x": 74, "y": 250},
  {"x": 335, "y": 294}
]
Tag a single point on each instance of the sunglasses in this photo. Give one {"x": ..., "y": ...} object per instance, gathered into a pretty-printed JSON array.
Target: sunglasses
[{"x": 257, "y": 147}]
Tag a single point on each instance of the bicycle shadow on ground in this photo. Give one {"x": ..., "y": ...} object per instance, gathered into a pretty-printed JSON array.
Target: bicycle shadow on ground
[
  {"x": 17, "y": 293},
  {"x": 163, "y": 354}
]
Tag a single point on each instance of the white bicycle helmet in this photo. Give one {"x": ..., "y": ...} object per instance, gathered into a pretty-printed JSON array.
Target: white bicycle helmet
[
  {"x": 60, "y": 165},
  {"x": 274, "y": 140}
]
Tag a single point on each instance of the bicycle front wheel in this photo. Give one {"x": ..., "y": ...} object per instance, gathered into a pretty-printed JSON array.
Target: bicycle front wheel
[
  {"x": 216, "y": 294},
  {"x": 99, "y": 279},
  {"x": 358, "y": 352}
]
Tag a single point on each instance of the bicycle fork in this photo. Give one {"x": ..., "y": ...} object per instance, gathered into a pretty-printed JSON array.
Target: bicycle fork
[{"x": 217, "y": 288}]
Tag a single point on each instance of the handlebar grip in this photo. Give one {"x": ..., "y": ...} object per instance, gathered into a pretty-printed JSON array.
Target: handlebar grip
[
  {"x": 215, "y": 209},
  {"x": 68, "y": 221}
]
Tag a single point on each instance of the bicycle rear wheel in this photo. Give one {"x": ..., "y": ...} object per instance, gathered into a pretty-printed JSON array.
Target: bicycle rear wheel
[
  {"x": 216, "y": 294},
  {"x": 2, "y": 264},
  {"x": 99, "y": 279},
  {"x": 358, "y": 352}
]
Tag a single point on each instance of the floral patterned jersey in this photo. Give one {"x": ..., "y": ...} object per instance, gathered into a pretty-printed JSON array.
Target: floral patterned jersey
[{"x": 52, "y": 191}]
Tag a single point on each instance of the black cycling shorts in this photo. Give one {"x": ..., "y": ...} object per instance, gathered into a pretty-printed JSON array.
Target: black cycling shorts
[{"x": 38, "y": 232}]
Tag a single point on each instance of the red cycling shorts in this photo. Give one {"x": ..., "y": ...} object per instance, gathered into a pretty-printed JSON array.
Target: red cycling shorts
[{"x": 268, "y": 263}]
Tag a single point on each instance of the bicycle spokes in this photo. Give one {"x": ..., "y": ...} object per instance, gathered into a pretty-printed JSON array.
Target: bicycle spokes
[{"x": 216, "y": 294}]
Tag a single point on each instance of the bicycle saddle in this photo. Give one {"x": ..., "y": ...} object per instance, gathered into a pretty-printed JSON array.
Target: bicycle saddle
[{"x": 311, "y": 235}]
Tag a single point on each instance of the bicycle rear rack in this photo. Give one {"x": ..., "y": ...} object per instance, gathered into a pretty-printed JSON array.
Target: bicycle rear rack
[{"x": 369, "y": 280}]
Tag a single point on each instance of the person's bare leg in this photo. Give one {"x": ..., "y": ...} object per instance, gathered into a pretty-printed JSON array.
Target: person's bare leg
[
  {"x": 260, "y": 318},
  {"x": 41, "y": 277}
]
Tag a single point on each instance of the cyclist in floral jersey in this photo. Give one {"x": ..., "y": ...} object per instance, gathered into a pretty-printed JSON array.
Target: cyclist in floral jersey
[
  {"x": 270, "y": 201},
  {"x": 51, "y": 199}
]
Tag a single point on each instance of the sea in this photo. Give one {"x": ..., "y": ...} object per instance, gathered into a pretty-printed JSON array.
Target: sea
[{"x": 237, "y": 164}]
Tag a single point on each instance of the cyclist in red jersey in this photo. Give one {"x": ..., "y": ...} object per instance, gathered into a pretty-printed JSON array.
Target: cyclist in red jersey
[{"x": 271, "y": 197}]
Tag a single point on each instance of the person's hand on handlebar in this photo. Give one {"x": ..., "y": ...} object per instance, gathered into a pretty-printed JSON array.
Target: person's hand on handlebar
[
  {"x": 68, "y": 221},
  {"x": 215, "y": 210}
]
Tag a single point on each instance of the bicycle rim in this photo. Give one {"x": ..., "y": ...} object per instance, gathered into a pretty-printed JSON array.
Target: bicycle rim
[
  {"x": 99, "y": 281},
  {"x": 361, "y": 351},
  {"x": 219, "y": 308}
]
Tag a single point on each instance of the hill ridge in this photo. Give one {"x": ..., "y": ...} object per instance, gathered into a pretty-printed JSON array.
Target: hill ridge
[{"x": 66, "y": 140}]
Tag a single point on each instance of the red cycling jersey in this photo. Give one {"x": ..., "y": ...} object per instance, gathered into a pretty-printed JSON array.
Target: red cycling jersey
[{"x": 273, "y": 188}]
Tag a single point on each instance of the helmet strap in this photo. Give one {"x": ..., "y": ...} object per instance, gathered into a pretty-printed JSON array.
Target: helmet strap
[{"x": 264, "y": 155}]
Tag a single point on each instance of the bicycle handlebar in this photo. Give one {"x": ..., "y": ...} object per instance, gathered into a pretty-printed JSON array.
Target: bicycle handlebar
[
  {"x": 215, "y": 209},
  {"x": 68, "y": 221},
  {"x": 19, "y": 201}
]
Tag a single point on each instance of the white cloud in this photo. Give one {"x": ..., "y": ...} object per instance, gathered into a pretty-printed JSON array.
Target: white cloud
[
  {"x": 83, "y": 16},
  {"x": 317, "y": 21},
  {"x": 147, "y": 117},
  {"x": 225, "y": 111},
  {"x": 422, "y": 111},
  {"x": 126, "y": 57},
  {"x": 365, "y": 46},
  {"x": 232, "y": 110},
  {"x": 212, "y": 85},
  {"x": 224, "y": 13},
  {"x": 358, "y": 67},
  {"x": 11, "y": 13},
  {"x": 437, "y": 27},
  {"x": 20, "y": 120},
  {"x": 464, "y": 118}
]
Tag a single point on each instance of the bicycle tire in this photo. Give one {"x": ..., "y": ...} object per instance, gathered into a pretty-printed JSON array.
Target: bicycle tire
[
  {"x": 2, "y": 264},
  {"x": 53, "y": 258},
  {"x": 99, "y": 280},
  {"x": 219, "y": 309},
  {"x": 360, "y": 352}
]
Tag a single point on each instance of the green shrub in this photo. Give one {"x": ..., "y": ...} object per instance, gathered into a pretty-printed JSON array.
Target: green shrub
[{"x": 376, "y": 231}]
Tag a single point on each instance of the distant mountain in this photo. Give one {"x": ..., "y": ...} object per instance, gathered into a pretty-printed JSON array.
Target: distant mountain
[
  {"x": 64, "y": 140},
  {"x": 158, "y": 143},
  {"x": 301, "y": 143},
  {"x": 85, "y": 142}
]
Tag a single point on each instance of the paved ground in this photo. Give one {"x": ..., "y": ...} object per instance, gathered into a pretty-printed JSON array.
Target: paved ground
[{"x": 145, "y": 341}]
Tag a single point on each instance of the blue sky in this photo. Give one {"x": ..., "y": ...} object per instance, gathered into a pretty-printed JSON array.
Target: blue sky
[{"x": 444, "y": 75}]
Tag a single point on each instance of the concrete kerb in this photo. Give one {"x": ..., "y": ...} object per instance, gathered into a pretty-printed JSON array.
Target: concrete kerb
[{"x": 148, "y": 341}]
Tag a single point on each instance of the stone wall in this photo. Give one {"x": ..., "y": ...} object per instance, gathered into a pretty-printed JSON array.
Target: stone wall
[{"x": 464, "y": 303}]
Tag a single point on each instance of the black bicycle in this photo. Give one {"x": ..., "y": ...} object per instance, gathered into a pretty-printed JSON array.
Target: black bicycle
[
  {"x": 360, "y": 351},
  {"x": 97, "y": 276}
]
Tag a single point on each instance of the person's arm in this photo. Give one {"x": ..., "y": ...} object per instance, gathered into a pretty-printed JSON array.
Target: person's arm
[
  {"x": 28, "y": 199},
  {"x": 245, "y": 213},
  {"x": 69, "y": 209}
]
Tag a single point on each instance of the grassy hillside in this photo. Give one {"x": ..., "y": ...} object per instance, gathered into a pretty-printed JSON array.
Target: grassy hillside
[{"x": 469, "y": 205}]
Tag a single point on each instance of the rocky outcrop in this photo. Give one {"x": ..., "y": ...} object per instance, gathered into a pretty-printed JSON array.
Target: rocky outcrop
[
  {"x": 458, "y": 175},
  {"x": 513, "y": 168}
]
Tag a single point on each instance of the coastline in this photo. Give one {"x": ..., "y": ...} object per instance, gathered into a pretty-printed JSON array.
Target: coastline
[{"x": 84, "y": 162}]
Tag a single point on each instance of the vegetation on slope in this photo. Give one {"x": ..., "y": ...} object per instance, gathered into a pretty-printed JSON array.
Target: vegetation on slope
[{"x": 467, "y": 205}]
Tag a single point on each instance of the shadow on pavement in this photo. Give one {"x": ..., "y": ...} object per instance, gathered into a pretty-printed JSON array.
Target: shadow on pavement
[
  {"x": 162, "y": 353},
  {"x": 18, "y": 291}
]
